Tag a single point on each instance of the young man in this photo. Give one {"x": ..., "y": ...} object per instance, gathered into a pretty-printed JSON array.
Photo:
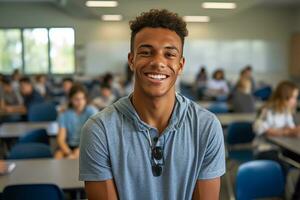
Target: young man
[
  {"x": 154, "y": 144},
  {"x": 30, "y": 95}
]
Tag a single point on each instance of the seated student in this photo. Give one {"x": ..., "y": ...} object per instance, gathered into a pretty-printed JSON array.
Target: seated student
[
  {"x": 106, "y": 97},
  {"x": 275, "y": 118},
  {"x": 71, "y": 121},
  {"x": 10, "y": 100},
  {"x": 40, "y": 84},
  {"x": 30, "y": 95},
  {"x": 242, "y": 99},
  {"x": 67, "y": 84},
  {"x": 217, "y": 86}
]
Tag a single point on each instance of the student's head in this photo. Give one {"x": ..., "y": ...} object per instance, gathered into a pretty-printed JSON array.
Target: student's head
[
  {"x": 41, "y": 79},
  {"x": 67, "y": 85},
  {"x": 16, "y": 75},
  {"x": 244, "y": 85},
  {"x": 218, "y": 74},
  {"x": 106, "y": 90},
  {"x": 6, "y": 84},
  {"x": 246, "y": 72},
  {"x": 156, "y": 53},
  {"x": 77, "y": 97},
  {"x": 285, "y": 96},
  {"x": 108, "y": 79},
  {"x": 26, "y": 87}
]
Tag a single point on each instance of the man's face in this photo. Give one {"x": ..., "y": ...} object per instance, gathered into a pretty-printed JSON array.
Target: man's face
[{"x": 156, "y": 61}]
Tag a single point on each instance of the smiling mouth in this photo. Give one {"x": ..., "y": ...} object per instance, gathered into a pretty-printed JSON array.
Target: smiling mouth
[{"x": 159, "y": 77}]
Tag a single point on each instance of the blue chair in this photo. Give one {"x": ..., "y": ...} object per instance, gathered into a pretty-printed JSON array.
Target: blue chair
[
  {"x": 239, "y": 133},
  {"x": 36, "y": 136},
  {"x": 238, "y": 148},
  {"x": 30, "y": 151},
  {"x": 218, "y": 108},
  {"x": 259, "y": 179},
  {"x": 33, "y": 192},
  {"x": 42, "y": 112},
  {"x": 263, "y": 93}
]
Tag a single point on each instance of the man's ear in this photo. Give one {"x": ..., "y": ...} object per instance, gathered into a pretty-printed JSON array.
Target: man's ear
[
  {"x": 130, "y": 60},
  {"x": 181, "y": 65}
]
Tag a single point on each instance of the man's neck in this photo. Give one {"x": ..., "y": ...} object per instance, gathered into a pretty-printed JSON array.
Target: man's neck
[{"x": 154, "y": 111}]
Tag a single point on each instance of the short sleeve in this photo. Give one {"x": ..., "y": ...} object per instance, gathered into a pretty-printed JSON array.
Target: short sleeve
[
  {"x": 213, "y": 164},
  {"x": 91, "y": 110},
  {"x": 94, "y": 160},
  {"x": 263, "y": 122},
  {"x": 61, "y": 120}
]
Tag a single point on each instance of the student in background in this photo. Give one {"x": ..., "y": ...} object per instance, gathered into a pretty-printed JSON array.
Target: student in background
[
  {"x": 200, "y": 82},
  {"x": 106, "y": 97},
  {"x": 71, "y": 121},
  {"x": 275, "y": 119},
  {"x": 67, "y": 84},
  {"x": 247, "y": 73},
  {"x": 16, "y": 76},
  {"x": 217, "y": 86},
  {"x": 40, "y": 84},
  {"x": 242, "y": 99},
  {"x": 30, "y": 95},
  {"x": 10, "y": 99}
]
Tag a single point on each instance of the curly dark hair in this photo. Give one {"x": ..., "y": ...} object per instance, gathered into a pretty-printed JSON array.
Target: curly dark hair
[{"x": 158, "y": 18}]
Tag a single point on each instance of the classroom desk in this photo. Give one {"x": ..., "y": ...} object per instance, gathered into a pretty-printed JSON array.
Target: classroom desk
[
  {"x": 290, "y": 151},
  {"x": 228, "y": 118},
  {"x": 4, "y": 113},
  {"x": 63, "y": 173},
  {"x": 207, "y": 104},
  {"x": 17, "y": 129}
]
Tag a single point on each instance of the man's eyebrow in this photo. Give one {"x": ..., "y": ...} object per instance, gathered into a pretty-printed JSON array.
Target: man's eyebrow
[
  {"x": 145, "y": 46},
  {"x": 172, "y": 48}
]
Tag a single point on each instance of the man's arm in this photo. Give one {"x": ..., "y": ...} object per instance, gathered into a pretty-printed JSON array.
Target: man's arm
[
  {"x": 101, "y": 190},
  {"x": 207, "y": 189}
]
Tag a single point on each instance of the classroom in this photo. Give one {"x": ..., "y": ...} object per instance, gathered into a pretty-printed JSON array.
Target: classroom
[{"x": 132, "y": 99}]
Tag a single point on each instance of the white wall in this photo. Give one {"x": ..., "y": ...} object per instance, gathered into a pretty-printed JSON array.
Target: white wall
[{"x": 258, "y": 36}]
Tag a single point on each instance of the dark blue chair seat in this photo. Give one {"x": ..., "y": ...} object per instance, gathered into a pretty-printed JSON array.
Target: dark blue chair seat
[
  {"x": 35, "y": 136},
  {"x": 259, "y": 179},
  {"x": 30, "y": 151},
  {"x": 33, "y": 192},
  {"x": 42, "y": 112}
]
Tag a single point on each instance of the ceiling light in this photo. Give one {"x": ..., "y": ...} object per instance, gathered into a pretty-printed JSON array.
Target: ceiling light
[
  {"x": 111, "y": 17},
  {"x": 101, "y": 3},
  {"x": 218, "y": 5},
  {"x": 196, "y": 18}
]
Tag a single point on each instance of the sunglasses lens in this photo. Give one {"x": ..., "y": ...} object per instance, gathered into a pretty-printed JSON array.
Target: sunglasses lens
[
  {"x": 157, "y": 153},
  {"x": 156, "y": 170}
]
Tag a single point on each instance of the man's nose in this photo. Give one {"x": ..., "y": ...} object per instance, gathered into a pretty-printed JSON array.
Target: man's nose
[{"x": 158, "y": 61}]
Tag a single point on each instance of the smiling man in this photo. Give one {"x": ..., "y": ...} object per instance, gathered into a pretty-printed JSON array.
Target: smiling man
[{"x": 153, "y": 144}]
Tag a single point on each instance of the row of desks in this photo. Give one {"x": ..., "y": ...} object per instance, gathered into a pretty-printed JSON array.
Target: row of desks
[{"x": 15, "y": 130}]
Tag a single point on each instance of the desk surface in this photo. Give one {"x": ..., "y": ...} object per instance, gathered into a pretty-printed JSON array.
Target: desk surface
[
  {"x": 63, "y": 173},
  {"x": 289, "y": 143},
  {"x": 228, "y": 118},
  {"x": 15, "y": 130}
]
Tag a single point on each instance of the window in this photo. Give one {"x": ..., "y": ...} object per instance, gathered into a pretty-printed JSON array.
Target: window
[
  {"x": 62, "y": 50},
  {"x": 45, "y": 50},
  {"x": 10, "y": 50},
  {"x": 36, "y": 50}
]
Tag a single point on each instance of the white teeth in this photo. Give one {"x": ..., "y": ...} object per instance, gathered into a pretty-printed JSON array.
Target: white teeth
[{"x": 157, "y": 76}]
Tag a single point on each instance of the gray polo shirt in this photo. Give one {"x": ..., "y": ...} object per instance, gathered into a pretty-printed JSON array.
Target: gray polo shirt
[{"x": 116, "y": 144}]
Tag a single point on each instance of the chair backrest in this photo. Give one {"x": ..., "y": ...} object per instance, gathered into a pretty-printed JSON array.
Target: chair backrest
[
  {"x": 239, "y": 133},
  {"x": 42, "y": 112},
  {"x": 33, "y": 192},
  {"x": 30, "y": 151},
  {"x": 218, "y": 107},
  {"x": 263, "y": 93},
  {"x": 36, "y": 136},
  {"x": 259, "y": 179}
]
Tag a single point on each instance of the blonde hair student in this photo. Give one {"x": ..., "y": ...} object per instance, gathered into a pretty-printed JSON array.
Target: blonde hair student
[{"x": 276, "y": 117}]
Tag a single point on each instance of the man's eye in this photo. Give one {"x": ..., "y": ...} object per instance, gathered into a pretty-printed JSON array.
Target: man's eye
[
  {"x": 170, "y": 55},
  {"x": 144, "y": 53}
]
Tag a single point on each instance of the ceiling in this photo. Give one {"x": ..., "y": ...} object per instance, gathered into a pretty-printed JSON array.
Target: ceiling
[{"x": 129, "y": 8}]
